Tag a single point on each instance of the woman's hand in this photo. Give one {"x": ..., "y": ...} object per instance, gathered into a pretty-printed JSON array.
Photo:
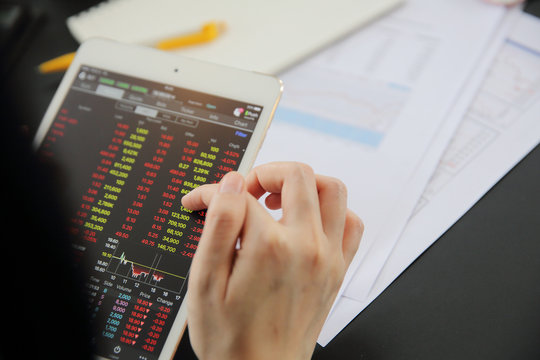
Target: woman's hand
[{"x": 268, "y": 298}]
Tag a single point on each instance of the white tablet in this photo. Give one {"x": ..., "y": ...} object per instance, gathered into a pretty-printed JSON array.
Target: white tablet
[{"x": 133, "y": 129}]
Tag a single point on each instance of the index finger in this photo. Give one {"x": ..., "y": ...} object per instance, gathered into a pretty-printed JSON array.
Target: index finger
[{"x": 200, "y": 197}]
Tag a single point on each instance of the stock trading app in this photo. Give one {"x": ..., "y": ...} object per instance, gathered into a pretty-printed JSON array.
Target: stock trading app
[{"x": 128, "y": 149}]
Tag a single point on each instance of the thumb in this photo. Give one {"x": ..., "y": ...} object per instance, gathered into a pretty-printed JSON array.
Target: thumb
[{"x": 224, "y": 221}]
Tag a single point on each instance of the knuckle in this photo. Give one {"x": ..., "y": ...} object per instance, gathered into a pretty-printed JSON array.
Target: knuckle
[
  {"x": 307, "y": 170},
  {"x": 275, "y": 248},
  {"x": 301, "y": 170},
  {"x": 337, "y": 187}
]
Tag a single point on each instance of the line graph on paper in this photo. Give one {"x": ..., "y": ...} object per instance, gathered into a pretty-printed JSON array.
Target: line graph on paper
[
  {"x": 353, "y": 100},
  {"x": 357, "y": 89},
  {"x": 147, "y": 267}
]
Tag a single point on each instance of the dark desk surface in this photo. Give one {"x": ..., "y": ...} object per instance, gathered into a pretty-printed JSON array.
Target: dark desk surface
[{"x": 475, "y": 294}]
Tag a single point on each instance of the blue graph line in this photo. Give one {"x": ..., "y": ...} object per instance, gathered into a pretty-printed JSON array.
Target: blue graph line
[
  {"x": 330, "y": 127},
  {"x": 523, "y": 47}
]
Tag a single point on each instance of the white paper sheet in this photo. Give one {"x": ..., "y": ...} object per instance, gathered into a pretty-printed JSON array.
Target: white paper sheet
[
  {"x": 361, "y": 282},
  {"x": 465, "y": 47},
  {"x": 500, "y": 127},
  {"x": 366, "y": 110}
]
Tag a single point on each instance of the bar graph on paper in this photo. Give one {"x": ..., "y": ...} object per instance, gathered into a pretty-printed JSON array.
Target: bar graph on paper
[{"x": 510, "y": 88}]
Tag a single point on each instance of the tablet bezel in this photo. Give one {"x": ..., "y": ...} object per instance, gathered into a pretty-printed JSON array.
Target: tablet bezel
[{"x": 172, "y": 69}]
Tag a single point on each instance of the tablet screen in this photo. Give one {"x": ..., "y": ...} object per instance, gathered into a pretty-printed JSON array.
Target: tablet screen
[{"x": 127, "y": 150}]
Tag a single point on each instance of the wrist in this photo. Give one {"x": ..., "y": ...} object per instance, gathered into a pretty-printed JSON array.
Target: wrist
[{"x": 265, "y": 350}]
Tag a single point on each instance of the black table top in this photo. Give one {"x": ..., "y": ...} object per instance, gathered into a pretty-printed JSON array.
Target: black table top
[{"x": 474, "y": 294}]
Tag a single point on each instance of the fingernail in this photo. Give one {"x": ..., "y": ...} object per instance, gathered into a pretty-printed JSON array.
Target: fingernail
[{"x": 232, "y": 183}]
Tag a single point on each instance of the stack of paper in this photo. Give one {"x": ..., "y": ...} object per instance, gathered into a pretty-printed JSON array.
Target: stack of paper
[
  {"x": 500, "y": 127},
  {"x": 367, "y": 110},
  {"x": 420, "y": 118}
]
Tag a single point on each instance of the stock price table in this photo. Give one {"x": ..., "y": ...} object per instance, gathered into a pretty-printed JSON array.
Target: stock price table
[{"x": 124, "y": 176}]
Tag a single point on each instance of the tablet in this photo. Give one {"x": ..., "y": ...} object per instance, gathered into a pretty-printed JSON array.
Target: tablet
[{"x": 132, "y": 129}]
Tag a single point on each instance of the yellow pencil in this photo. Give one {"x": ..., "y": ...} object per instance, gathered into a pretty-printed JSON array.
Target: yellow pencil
[
  {"x": 208, "y": 32},
  {"x": 60, "y": 63}
]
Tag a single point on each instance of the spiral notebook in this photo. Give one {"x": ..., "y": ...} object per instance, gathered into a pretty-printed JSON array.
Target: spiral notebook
[{"x": 261, "y": 35}]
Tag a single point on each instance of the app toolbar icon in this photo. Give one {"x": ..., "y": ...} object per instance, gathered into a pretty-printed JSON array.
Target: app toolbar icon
[{"x": 238, "y": 111}]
